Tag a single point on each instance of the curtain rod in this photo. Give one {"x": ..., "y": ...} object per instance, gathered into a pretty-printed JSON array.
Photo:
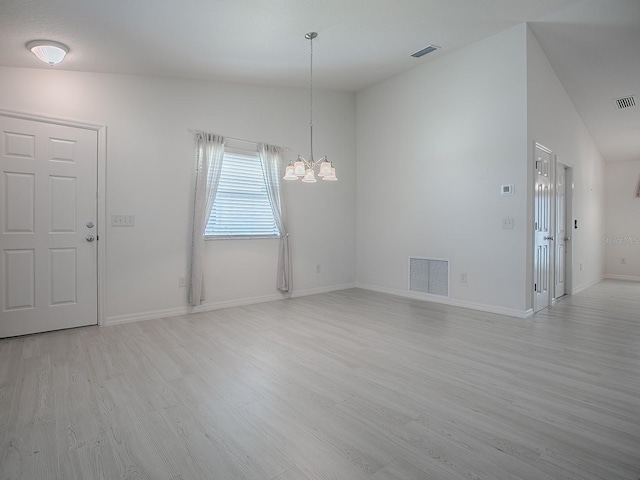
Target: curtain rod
[{"x": 251, "y": 142}]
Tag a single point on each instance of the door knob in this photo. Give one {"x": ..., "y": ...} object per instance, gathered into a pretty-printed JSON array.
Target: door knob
[
  {"x": 548, "y": 238},
  {"x": 90, "y": 238}
]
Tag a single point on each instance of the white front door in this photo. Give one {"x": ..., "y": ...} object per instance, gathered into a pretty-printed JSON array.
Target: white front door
[
  {"x": 542, "y": 228},
  {"x": 561, "y": 230},
  {"x": 48, "y": 218}
]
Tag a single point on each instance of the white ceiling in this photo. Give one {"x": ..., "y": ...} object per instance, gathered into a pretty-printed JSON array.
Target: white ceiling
[
  {"x": 592, "y": 44},
  {"x": 594, "y": 48}
]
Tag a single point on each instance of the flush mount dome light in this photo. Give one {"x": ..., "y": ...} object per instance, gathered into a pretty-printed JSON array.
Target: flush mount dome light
[{"x": 48, "y": 51}]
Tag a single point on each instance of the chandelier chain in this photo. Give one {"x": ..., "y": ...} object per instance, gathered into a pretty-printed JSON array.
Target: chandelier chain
[
  {"x": 304, "y": 168},
  {"x": 311, "y": 94}
]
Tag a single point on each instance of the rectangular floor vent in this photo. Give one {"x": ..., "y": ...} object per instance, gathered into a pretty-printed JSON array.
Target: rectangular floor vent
[{"x": 429, "y": 275}]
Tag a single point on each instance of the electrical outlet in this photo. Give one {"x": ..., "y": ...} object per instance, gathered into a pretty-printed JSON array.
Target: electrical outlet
[
  {"x": 507, "y": 223},
  {"x": 623, "y": 261},
  {"x": 182, "y": 281}
]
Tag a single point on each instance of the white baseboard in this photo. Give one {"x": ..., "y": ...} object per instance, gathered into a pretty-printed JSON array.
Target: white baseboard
[
  {"x": 511, "y": 312},
  {"x": 148, "y": 315},
  {"x": 584, "y": 286},
  {"x": 628, "y": 278},
  {"x": 316, "y": 291},
  {"x": 207, "y": 307}
]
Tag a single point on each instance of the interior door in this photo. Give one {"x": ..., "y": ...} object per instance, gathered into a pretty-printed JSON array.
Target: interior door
[
  {"x": 542, "y": 228},
  {"x": 48, "y": 213},
  {"x": 561, "y": 231}
]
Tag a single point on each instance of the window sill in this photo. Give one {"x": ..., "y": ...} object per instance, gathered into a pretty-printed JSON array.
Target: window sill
[{"x": 240, "y": 237}]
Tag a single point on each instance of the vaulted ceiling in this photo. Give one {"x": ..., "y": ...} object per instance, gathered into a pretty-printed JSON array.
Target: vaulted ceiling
[{"x": 591, "y": 44}]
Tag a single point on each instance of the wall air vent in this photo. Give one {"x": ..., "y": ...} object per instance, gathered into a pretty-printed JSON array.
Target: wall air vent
[
  {"x": 429, "y": 275},
  {"x": 425, "y": 50},
  {"x": 625, "y": 102}
]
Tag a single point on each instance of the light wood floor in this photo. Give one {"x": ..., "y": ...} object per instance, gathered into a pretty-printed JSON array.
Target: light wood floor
[{"x": 347, "y": 385}]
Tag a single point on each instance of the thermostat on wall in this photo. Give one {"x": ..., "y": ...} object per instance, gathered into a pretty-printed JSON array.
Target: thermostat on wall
[{"x": 506, "y": 190}]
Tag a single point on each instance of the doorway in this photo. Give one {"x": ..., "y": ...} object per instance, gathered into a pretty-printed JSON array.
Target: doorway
[
  {"x": 49, "y": 224},
  {"x": 553, "y": 196},
  {"x": 543, "y": 227},
  {"x": 562, "y": 253}
]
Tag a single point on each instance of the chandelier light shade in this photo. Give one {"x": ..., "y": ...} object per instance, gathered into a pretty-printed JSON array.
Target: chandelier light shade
[
  {"x": 48, "y": 51},
  {"x": 302, "y": 168}
]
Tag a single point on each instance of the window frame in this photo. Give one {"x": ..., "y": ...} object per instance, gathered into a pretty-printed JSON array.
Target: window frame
[{"x": 247, "y": 153}]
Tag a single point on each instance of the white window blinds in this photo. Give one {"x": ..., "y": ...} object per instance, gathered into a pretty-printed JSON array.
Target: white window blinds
[{"x": 241, "y": 207}]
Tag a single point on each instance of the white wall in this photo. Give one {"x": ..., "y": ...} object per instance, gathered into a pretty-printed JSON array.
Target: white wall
[
  {"x": 150, "y": 173},
  {"x": 554, "y": 122},
  {"x": 434, "y": 146},
  {"x": 622, "y": 238}
]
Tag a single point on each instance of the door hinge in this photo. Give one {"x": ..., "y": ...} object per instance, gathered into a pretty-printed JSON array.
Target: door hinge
[{"x": 535, "y": 287}]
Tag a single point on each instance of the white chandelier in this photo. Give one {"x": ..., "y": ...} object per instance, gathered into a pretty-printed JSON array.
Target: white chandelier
[{"x": 302, "y": 168}]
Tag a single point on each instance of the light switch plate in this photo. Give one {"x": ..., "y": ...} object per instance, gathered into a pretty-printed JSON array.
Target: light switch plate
[
  {"x": 506, "y": 189},
  {"x": 122, "y": 220}
]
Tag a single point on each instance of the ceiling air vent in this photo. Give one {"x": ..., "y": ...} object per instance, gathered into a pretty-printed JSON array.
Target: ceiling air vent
[
  {"x": 425, "y": 50},
  {"x": 625, "y": 102}
]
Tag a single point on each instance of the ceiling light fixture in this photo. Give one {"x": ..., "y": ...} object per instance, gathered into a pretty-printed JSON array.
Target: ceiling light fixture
[
  {"x": 302, "y": 168},
  {"x": 48, "y": 51}
]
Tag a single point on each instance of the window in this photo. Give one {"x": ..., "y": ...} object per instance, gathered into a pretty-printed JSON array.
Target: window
[{"x": 241, "y": 208}]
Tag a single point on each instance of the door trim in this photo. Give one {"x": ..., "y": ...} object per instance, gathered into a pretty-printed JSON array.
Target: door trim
[
  {"x": 532, "y": 229},
  {"x": 101, "y": 132},
  {"x": 568, "y": 261}
]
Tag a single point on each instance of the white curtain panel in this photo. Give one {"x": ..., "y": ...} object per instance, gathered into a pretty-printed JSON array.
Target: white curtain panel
[
  {"x": 271, "y": 161},
  {"x": 209, "y": 154}
]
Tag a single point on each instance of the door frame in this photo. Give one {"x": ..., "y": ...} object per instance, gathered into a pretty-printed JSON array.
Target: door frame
[
  {"x": 101, "y": 132},
  {"x": 568, "y": 260},
  {"x": 532, "y": 232}
]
